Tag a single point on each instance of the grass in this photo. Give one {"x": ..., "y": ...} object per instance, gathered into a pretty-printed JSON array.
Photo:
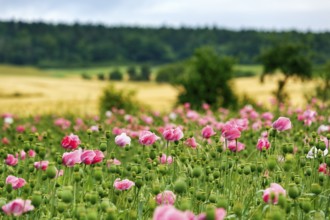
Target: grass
[{"x": 24, "y": 91}]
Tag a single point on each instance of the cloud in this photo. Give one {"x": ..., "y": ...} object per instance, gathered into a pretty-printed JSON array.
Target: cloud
[{"x": 269, "y": 14}]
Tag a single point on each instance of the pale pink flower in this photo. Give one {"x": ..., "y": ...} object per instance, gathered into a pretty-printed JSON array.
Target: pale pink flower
[
  {"x": 71, "y": 158},
  {"x": 15, "y": 181},
  {"x": 235, "y": 148},
  {"x": 17, "y": 207},
  {"x": 172, "y": 134},
  {"x": 41, "y": 165},
  {"x": 282, "y": 124},
  {"x": 275, "y": 190},
  {"x": 123, "y": 185},
  {"x": 169, "y": 212},
  {"x": 263, "y": 143},
  {"x": 230, "y": 132},
  {"x": 166, "y": 159},
  {"x": 147, "y": 138},
  {"x": 191, "y": 142},
  {"x": 122, "y": 140},
  {"x": 207, "y": 132},
  {"x": 166, "y": 197},
  {"x": 11, "y": 160}
]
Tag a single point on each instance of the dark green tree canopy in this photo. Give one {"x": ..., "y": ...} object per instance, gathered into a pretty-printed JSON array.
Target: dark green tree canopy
[
  {"x": 206, "y": 80},
  {"x": 289, "y": 59}
]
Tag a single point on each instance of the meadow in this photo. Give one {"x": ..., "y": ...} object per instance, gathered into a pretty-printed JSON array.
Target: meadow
[
  {"x": 28, "y": 90},
  {"x": 187, "y": 165}
]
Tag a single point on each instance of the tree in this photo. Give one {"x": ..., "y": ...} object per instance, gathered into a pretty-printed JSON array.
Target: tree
[
  {"x": 145, "y": 73},
  {"x": 115, "y": 75},
  {"x": 291, "y": 60},
  {"x": 206, "y": 80},
  {"x": 132, "y": 73},
  {"x": 323, "y": 91}
]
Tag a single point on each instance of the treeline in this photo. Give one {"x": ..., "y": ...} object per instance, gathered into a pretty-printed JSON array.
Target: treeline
[{"x": 50, "y": 45}]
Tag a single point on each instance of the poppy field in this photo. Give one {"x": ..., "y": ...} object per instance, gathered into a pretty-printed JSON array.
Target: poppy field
[{"x": 251, "y": 163}]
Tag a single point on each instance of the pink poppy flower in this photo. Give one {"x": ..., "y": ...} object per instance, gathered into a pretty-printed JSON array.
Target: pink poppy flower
[
  {"x": 17, "y": 207},
  {"x": 165, "y": 159},
  {"x": 41, "y": 165},
  {"x": 232, "y": 146},
  {"x": 263, "y": 143},
  {"x": 166, "y": 197},
  {"x": 207, "y": 132},
  {"x": 282, "y": 124},
  {"x": 123, "y": 185},
  {"x": 172, "y": 134},
  {"x": 72, "y": 158},
  {"x": 70, "y": 142},
  {"x": 191, "y": 142},
  {"x": 15, "y": 181},
  {"x": 230, "y": 132},
  {"x": 147, "y": 138},
  {"x": 122, "y": 140},
  {"x": 169, "y": 212},
  {"x": 11, "y": 160},
  {"x": 275, "y": 190}
]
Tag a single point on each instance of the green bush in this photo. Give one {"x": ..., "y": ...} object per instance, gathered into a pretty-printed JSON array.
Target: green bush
[
  {"x": 170, "y": 72},
  {"x": 207, "y": 80},
  {"x": 101, "y": 76},
  {"x": 121, "y": 99},
  {"x": 241, "y": 73},
  {"x": 116, "y": 75},
  {"x": 145, "y": 73},
  {"x": 132, "y": 73},
  {"x": 86, "y": 76}
]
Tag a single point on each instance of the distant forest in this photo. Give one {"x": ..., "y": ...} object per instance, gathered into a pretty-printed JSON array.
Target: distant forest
[{"x": 55, "y": 45}]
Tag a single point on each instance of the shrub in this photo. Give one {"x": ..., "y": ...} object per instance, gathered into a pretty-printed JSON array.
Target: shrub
[
  {"x": 170, "y": 72},
  {"x": 116, "y": 75},
  {"x": 132, "y": 73},
  {"x": 121, "y": 99},
  {"x": 206, "y": 80},
  {"x": 86, "y": 76},
  {"x": 145, "y": 73},
  {"x": 101, "y": 76}
]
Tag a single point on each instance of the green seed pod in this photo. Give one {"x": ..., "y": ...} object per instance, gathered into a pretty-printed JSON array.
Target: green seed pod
[
  {"x": 281, "y": 201},
  {"x": 316, "y": 188},
  {"x": 222, "y": 203},
  {"x": 305, "y": 205},
  {"x": 61, "y": 207},
  {"x": 66, "y": 196},
  {"x": 36, "y": 199},
  {"x": 103, "y": 146},
  {"x": 197, "y": 172},
  {"x": 139, "y": 182},
  {"x": 247, "y": 170},
  {"x": 271, "y": 164},
  {"x": 213, "y": 198},
  {"x": 238, "y": 209},
  {"x": 294, "y": 192},
  {"x": 180, "y": 186},
  {"x": 92, "y": 215},
  {"x": 51, "y": 171}
]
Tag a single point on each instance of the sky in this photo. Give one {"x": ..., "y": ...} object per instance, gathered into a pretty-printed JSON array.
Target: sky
[{"x": 302, "y": 15}]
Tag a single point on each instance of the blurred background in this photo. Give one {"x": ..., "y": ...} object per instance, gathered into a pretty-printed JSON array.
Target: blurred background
[{"x": 84, "y": 57}]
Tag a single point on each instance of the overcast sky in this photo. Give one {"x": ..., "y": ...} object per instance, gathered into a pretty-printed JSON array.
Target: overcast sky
[{"x": 235, "y": 14}]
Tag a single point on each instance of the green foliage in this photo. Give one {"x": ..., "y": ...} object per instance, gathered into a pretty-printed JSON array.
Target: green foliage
[
  {"x": 170, "y": 72},
  {"x": 132, "y": 73},
  {"x": 145, "y": 73},
  {"x": 121, "y": 99},
  {"x": 323, "y": 91},
  {"x": 50, "y": 45},
  {"x": 86, "y": 76},
  {"x": 291, "y": 60},
  {"x": 241, "y": 73},
  {"x": 116, "y": 75},
  {"x": 206, "y": 80},
  {"x": 100, "y": 76}
]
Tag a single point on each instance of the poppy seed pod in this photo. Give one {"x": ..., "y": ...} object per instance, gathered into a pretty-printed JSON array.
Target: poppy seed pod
[
  {"x": 293, "y": 191},
  {"x": 180, "y": 186}
]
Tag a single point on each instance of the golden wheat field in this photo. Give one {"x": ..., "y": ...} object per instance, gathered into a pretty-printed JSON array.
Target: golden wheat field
[{"x": 26, "y": 94}]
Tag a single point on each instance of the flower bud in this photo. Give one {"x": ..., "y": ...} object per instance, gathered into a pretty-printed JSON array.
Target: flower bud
[
  {"x": 293, "y": 191},
  {"x": 36, "y": 199},
  {"x": 61, "y": 207},
  {"x": 197, "y": 172},
  {"x": 180, "y": 186},
  {"x": 305, "y": 205},
  {"x": 66, "y": 196},
  {"x": 316, "y": 188},
  {"x": 51, "y": 171}
]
